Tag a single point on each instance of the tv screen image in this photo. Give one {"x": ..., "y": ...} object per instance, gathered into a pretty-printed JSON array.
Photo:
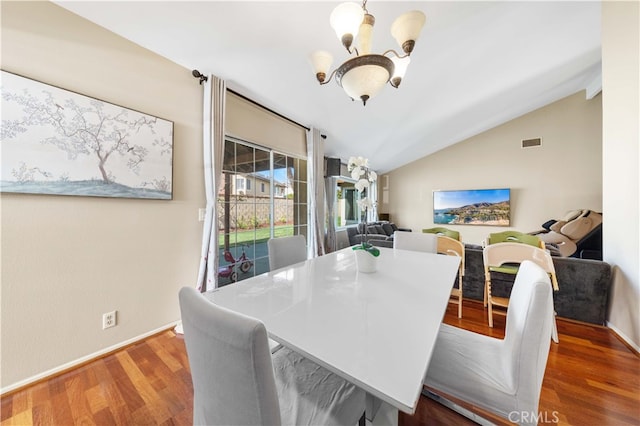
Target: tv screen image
[{"x": 472, "y": 207}]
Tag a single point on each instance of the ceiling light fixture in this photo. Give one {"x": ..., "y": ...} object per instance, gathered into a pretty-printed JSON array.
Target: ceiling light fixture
[{"x": 364, "y": 75}]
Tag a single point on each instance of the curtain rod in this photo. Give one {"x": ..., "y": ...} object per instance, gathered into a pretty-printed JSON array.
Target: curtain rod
[
  {"x": 197, "y": 74},
  {"x": 266, "y": 108}
]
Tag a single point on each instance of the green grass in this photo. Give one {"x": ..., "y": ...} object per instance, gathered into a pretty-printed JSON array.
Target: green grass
[{"x": 257, "y": 235}]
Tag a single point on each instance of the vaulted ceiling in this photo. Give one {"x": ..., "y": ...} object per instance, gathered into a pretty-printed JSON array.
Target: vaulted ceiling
[{"x": 476, "y": 64}]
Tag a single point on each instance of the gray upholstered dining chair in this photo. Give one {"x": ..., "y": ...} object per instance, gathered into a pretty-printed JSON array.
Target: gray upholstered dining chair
[
  {"x": 503, "y": 376},
  {"x": 236, "y": 380},
  {"x": 342, "y": 239},
  {"x": 415, "y": 241},
  {"x": 285, "y": 251}
]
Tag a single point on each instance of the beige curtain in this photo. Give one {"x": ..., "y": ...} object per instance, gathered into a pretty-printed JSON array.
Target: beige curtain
[
  {"x": 213, "y": 133},
  {"x": 315, "y": 180},
  {"x": 330, "y": 190}
]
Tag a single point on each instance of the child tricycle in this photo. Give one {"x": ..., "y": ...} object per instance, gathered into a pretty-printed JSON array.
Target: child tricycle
[{"x": 229, "y": 271}]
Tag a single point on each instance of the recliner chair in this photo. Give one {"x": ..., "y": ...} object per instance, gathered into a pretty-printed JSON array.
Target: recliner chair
[{"x": 577, "y": 234}]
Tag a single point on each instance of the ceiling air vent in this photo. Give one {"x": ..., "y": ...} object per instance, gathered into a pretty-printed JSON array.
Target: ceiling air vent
[{"x": 530, "y": 143}]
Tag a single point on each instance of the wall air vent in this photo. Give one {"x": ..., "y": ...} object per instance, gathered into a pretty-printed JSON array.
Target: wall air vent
[{"x": 530, "y": 143}]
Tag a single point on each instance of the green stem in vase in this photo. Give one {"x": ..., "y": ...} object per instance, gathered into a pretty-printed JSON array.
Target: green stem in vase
[{"x": 373, "y": 250}]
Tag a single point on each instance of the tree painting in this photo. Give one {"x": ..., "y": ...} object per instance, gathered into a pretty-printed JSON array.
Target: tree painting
[{"x": 58, "y": 142}]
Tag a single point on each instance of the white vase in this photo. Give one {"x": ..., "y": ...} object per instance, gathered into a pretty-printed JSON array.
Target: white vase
[{"x": 366, "y": 262}]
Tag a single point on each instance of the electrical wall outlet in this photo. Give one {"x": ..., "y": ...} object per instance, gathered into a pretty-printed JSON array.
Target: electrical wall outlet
[{"x": 108, "y": 320}]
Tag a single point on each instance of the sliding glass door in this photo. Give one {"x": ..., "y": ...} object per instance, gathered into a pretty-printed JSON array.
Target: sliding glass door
[{"x": 264, "y": 195}]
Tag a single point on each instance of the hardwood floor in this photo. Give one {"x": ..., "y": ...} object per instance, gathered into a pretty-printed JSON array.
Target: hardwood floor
[{"x": 592, "y": 378}]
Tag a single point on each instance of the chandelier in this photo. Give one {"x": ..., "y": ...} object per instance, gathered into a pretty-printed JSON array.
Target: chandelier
[{"x": 365, "y": 74}]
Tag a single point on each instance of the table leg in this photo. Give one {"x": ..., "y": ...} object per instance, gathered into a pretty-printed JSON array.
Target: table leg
[{"x": 380, "y": 413}]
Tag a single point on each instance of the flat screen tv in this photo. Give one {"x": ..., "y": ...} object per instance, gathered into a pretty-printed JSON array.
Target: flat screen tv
[{"x": 472, "y": 207}]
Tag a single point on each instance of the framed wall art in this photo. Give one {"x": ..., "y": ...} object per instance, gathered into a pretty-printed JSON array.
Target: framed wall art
[
  {"x": 54, "y": 141},
  {"x": 472, "y": 207}
]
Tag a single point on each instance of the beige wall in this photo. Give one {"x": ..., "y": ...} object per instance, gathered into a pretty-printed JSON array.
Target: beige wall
[
  {"x": 67, "y": 260},
  {"x": 565, "y": 173},
  {"x": 621, "y": 137}
]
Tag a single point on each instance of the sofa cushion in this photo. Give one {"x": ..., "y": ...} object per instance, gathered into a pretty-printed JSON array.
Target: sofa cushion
[{"x": 388, "y": 229}]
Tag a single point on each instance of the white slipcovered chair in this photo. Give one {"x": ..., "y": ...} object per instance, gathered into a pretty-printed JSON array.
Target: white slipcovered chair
[
  {"x": 416, "y": 241},
  {"x": 342, "y": 239},
  {"x": 503, "y": 376},
  {"x": 285, "y": 251},
  {"x": 236, "y": 381}
]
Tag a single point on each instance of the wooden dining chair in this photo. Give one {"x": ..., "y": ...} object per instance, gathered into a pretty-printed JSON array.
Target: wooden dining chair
[
  {"x": 496, "y": 256},
  {"x": 514, "y": 237},
  {"x": 237, "y": 381},
  {"x": 452, "y": 247},
  {"x": 439, "y": 230},
  {"x": 511, "y": 236}
]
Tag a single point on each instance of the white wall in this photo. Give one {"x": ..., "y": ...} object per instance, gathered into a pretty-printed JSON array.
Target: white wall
[
  {"x": 621, "y": 137},
  {"x": 67, "y": 260},
  {"x": 565, "y": 173}
]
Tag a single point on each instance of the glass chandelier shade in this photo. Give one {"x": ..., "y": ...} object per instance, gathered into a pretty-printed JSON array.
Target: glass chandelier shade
[
  {"x": 363, "y": 76},
  {"x": 406, "y": 29},
  {"x": 400, "y": 68},
  {"x": 345, "y": 21}
]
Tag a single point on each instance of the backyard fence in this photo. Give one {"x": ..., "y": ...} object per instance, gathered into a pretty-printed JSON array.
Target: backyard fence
[{"x": 249, "y": 212}]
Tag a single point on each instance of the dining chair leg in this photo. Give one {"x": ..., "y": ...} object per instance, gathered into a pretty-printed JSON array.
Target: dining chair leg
[
  {"x": 554, "y": 330},
  {"x": 460, "y": 297},
  {"x": 487, "y": 294},
  {"x": 487, "y": 279},
  {"x": 490, "y": 315}
]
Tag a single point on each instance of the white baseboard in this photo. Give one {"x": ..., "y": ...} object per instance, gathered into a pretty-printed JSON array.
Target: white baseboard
[
  {"x": 82, "y": 360},
  {"x": 624, "y": 337}
]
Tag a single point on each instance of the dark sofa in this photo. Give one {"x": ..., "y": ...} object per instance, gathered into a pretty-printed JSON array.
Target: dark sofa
[
  {"x": 378, "y": 233},
  {"x": 584, "y": 285}
]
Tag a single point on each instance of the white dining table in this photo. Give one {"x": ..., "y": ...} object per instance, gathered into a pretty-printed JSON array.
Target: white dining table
[{"x": 376, "y": 330}]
